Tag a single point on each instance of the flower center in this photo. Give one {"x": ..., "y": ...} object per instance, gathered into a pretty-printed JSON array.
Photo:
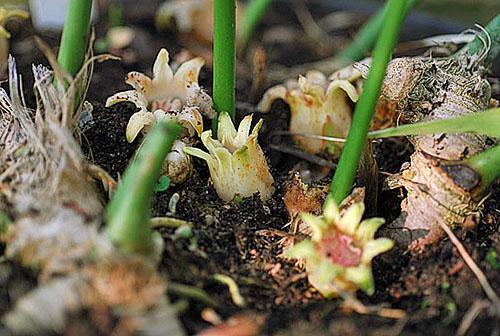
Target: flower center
[{"x": 340, "y": 249}]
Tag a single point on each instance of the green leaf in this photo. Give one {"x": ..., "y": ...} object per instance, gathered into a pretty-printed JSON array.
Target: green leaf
[
  {"x": 485, "y": 123},
  {"x": 162, "y": 184}
]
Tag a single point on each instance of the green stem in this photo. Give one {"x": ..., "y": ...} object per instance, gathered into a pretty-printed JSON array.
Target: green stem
[
  {"x": 365, "y": 39},
  {"x": 486, "y": 164},
  {"x": 349, "y": 159},
  {"x": 127, "y": 215},
  {"x": 254, "y": 12},
  {"x": 477, "y": 45},
  {"x": 75, "y": 36},
  {"x": 224, "y": 75}
]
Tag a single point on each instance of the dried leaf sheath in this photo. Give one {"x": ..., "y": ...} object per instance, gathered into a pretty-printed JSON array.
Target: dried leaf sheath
[
  {"x": 56, "y": 215},
  {"x": 432, "y": 90}
]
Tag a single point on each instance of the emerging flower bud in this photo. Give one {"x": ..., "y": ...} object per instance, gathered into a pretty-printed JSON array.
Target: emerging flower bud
[
  {"x": 236, "y": 162},
  {"x": 167, "y": 96},
  {"x": 318, "y": 107},
  {"x": 177, "y": 164},
  {"x": 338, "y": 257}
]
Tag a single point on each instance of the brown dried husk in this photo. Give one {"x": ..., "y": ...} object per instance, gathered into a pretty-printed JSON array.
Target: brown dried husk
[
  {"x": 425, "y": 89},
  {"x": 56, "y": 215}
]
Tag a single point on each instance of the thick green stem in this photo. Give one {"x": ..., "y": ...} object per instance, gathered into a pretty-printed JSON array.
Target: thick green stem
[
  {"x": 75, "y": 36},
  {"x": 349, "y": 159},
  {"x": 128, "y": 213},
  {"x": 486, "y": 164},
  {"x": 477, "y": 46},
  {"x": 224, "y": 75},
  {"x": 365, "y": 39},
  {"x": 254, "y": 12}
]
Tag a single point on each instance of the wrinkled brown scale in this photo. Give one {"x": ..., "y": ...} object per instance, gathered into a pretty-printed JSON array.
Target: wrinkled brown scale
[
  {"x": 461, "y": 97},
  {"x": 402, "y": 76},
  {"x": 437, "y": 89},
  {"x": 434, "y": 196}
]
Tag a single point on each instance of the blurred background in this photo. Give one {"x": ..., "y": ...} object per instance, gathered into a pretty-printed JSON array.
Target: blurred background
[{"x": 465, "y": 11}]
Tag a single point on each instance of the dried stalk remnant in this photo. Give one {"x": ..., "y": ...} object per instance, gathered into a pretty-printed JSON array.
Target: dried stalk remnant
[
  {"x": 56, "y": 214},
  {"x": 425, "y": 89}
]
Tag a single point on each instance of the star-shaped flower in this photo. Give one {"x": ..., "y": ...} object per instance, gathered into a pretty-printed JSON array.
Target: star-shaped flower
[
  {"x": 166, "y": 96},
  {"x": 318, "y": 106},
  {"x": 338, "y": 256},
  {"x": 236, "y": 162}
]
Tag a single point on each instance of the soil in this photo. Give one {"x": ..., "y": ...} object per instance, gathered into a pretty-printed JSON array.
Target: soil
[{"x": 242, "y": 240}]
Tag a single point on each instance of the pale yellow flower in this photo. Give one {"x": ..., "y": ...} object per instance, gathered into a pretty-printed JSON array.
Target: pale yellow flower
[
  {"x": 338, "y": 256},
  {"x": 236, "y": 162},
  {"x": 318, "y": 107}
]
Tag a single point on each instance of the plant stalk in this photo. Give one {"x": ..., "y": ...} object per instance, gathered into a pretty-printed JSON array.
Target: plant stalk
[
  {"x": 224, "y": 75},
  {"x": 75, "y": 36},
  {"x": 349, "y": 159},
  {"x": 487, "y": 165},
  {"x": 254, "y": 12},
  {"x": 128, "y": 213},
  {"x": 477, "y": 46},
  {"x": 367, "y": 35}
]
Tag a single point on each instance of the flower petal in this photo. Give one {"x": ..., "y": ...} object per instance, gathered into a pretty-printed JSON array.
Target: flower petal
[
  {"x": 362, "y": 276},
  {"x": 374, "y": 248},
  {"x": 139, "y": 82},
  {"x": 323, "y": 275},
  {"x": 351, "y": 218},
  {"x": 190, "y": 117},
  {"x": 226, "y": 131},
  {"x": 317, "y": 224},
  {"x": 241, "y": 137},
  {"x": 204, "y": 102},
  {"x": 368, "y": 227},
  {"x": 162, "y": 73},
  {"x": 137, "y": 122},
  {"x": 331, "y": 211},
  {"x": 303, "y": 249},
  {"x": 132, "y": 96},
  {"x": 276, "y": 92},
  {"x": 256, "y": 129},
  {"x": 193, "y": 151},
  {"x": 189, "y": 71},
  {"x": 345, "y": 86}
]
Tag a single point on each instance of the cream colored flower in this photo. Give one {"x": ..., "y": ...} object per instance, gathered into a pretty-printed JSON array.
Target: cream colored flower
[
  {"x": 236, "y": 162},
  {"x": 194, "y": 17},
  {"x": 166, "y": 96},
  {"x": 318, "y": 107},
  {"x": 183, "y": 13},
  {"x": 338, "y": 257}
]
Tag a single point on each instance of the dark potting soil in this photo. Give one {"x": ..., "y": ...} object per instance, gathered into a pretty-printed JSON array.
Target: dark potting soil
[
  {"x": 243, "y": 240},
  {"x": 104, "y": 142}
]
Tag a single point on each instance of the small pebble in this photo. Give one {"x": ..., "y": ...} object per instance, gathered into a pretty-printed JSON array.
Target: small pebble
[{"x": 211, "y": 220}]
